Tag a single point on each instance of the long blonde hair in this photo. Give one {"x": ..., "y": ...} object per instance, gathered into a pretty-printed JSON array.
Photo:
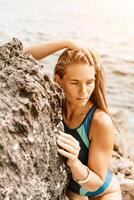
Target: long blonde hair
[{"x": 69, "y": 57}]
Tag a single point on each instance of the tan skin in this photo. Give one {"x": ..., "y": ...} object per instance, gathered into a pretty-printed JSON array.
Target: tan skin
[{"x": 78, "y": 84}]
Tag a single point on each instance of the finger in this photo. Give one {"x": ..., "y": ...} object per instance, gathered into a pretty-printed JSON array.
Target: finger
[
  {"x": 88, "y": 55},
  {"x": 68, "y": 147},
  {"x": 95, "y": 56},
  {"x": 69, "y": 142},
  {"x": 69, "y": 137},
  {"x": 67, "y": 154}
]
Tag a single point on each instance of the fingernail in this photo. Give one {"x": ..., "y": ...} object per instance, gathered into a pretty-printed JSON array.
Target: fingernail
[{"x": 92, "y": 62}]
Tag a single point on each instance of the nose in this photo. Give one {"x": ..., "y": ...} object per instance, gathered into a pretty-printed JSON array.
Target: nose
[{"x": 83, "y": 90}]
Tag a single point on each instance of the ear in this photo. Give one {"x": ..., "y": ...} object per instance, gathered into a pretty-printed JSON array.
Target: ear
[{"x": 58, "y": 80}]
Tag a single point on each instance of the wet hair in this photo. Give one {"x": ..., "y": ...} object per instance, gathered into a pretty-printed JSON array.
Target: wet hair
[{"x": 69, "y": 57}]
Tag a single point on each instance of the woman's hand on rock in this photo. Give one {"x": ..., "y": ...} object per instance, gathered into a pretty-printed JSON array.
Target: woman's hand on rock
[{"x": 68, "y": 147}]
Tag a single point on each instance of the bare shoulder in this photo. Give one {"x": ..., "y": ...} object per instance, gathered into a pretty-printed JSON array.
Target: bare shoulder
[
  {"x": 102, "y": 126},
  {"x": 102, "y": 118}
]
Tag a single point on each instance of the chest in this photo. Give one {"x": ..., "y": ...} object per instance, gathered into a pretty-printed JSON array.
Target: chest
[
  {"x": 81, "y": 136},
  {"x": 74, "y": 122}
]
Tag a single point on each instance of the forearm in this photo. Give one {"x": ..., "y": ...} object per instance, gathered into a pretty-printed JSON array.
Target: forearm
[
  {"x": 43, "y": 50},
  {"x": 79, "y": 172}
]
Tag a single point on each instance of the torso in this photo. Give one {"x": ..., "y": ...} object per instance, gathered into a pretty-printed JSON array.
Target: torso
[
  {"x": 80, "y": 130},
  {"x": 81, "y": 133}
]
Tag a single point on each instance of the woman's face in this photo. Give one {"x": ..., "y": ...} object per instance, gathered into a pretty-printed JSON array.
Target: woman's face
[{"x": 78, "y": 83}]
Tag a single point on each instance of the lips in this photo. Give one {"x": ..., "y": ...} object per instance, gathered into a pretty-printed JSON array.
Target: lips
[{"x": 81, "y": 99}]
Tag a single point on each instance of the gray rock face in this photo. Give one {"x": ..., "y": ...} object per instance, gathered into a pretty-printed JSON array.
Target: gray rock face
[{"x": 30, "y": 118}]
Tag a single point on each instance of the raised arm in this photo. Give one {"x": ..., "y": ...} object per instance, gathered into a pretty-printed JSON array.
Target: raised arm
[{"x": 43, "y": 50}]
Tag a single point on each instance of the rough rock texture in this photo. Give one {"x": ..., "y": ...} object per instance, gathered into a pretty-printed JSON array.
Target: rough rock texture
[
  {"x": 122, "y": 162},
  {"x": 30, "y": 115}
]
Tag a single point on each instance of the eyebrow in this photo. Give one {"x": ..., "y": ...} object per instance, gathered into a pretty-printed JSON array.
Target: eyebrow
[{"x": 78, "y": 80}]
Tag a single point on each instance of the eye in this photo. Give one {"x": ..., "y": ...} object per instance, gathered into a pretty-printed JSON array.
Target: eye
[
  {"x": 74, "y": 83},
  {"x": 89, "y": 82}
]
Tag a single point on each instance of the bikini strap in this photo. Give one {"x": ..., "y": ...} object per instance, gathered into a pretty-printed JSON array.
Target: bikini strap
[{"x": 88, "y": 120}]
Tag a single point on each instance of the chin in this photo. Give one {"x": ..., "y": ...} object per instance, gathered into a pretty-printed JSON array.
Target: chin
[{"x": 82, "y": 103}]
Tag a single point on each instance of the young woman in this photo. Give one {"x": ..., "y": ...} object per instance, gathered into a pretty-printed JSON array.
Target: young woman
[{"x": 89, "y": 132}]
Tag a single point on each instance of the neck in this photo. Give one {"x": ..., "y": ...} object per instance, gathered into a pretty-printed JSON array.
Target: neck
[{"x": 70, "y": 110}]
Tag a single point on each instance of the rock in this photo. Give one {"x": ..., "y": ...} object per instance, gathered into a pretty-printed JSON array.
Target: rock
[
  {"x": 122, "y": 163},
  {"x": 30, "y": 118}
]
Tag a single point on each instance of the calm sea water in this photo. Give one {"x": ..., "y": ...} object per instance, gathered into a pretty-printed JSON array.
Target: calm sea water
[{"x": 106, "y": 25}]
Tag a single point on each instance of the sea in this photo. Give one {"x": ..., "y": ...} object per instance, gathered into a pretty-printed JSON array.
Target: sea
[{"x": 105, "y": 25}]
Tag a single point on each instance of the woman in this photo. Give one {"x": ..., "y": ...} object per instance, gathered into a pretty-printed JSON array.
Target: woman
[{"x": 89, "y": 138}]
